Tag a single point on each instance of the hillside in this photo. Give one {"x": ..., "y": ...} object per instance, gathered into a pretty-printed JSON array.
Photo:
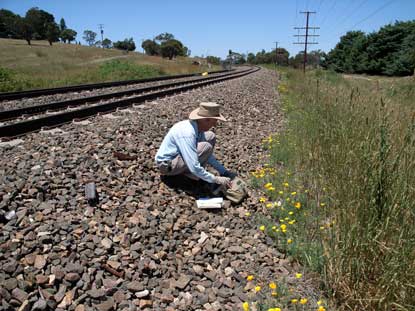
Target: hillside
[{"x": 41, "y": 65}]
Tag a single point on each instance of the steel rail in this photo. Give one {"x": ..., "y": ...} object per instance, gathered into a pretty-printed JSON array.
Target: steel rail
[
  {"x": 20, "y": 128},
  {"x": 83, "y": 87},
  {"x": 16, "y": 113}
]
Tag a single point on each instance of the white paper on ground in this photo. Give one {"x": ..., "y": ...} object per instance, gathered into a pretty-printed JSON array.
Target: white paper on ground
[{"x": 210, "y": 203}]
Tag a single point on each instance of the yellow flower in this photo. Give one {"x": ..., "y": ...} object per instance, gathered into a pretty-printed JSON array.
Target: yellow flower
[
  {"x": 288, "y": 199},
  {"x": 269, "y": 205},
  {"x": 257, "y": 288},
  {"x": 250, "y": 277},
  {"x": 303, "y": 301},
  {"x": 322, "y": 228},
  {"x": 281, "y": 192},
  {"x": 267, "y": 185},
  {"x": 245, "y": 306},
  {"x": 272, "y": 285},
  {"x": 322, "y": 204},
  {"x": 271, "y": 188},
  {"x": 321, "y": 308},
  {"x": 274, "y": 309},
  {"x": 262, "y": 200},
  {"x": 293, "y": 193},
  {"x": 247, "y": 214},
  {"x": 319, "y": 303},
  {"x": 298, "y": 275},
  {"x": 292, "y": 222},
  {"x": 289, "y": 241},
  {"x": 274, "y": 294},
  {"x": 285, "y": 184},
  {"x": 290, "y": 213},
  {"x": 274, "y": 227},
  {"x": 283, "y": 227},
  {"x": 297, "y": 204},
  {"x": 262, "y": 228},
  {"x": 294, "y": 301}
]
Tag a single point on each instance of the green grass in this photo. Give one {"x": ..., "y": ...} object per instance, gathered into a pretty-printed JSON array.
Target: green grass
[
  {"x": 349, "y": 149},
  {"x": 40, "y": 65}
]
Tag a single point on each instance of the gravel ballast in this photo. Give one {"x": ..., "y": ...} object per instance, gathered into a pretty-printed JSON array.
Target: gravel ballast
[{"x": 144, "y": 246}]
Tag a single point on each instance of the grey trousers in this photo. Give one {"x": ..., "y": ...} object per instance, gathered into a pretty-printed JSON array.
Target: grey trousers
[{"x": 177, "y": 165}]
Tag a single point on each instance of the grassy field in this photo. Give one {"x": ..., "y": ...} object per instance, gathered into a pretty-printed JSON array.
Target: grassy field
[
  {"x": 339, "y": 185},
  {"x": 41, "y": 65}
]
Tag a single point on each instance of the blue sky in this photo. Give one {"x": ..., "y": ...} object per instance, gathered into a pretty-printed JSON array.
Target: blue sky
[{"x": 213, "y": 27}]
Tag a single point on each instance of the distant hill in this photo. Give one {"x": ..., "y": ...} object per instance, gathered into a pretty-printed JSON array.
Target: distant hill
[{"x": 41, "y": 65}]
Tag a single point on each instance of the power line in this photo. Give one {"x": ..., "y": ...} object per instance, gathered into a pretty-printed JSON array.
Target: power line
[
  {"x": 354, "y": 10},
  {"x": 328, "y": 13},
  {"x": 319, "y": 5},
  {"x": 296, "y": 12},
  {"x": 366, "y": 18},
  {"x": 374, "y": 13},
  {"x": 101, "y": 28},
  {"x": 306, "y": 36},
  {"x": 276, "y": 54}
]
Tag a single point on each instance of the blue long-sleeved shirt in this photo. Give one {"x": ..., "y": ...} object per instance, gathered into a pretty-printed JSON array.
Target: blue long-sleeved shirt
[{"x": 182, "y": 140}]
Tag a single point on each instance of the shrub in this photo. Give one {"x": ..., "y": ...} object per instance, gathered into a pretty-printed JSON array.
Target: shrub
[{"x": 124, "y": 70}]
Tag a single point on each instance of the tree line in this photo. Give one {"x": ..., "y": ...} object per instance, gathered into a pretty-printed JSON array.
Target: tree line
[
  {"x": 35, "y": 25},
  {"x": 279, "y": 56},
  {"x": 389, "y": 51}
]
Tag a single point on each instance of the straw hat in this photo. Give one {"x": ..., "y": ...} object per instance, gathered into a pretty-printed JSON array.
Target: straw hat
[{"x": 207, "y": 110}]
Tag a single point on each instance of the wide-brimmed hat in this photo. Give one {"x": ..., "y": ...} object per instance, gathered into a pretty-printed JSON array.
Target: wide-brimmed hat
[{"x": 207, "y": 110}]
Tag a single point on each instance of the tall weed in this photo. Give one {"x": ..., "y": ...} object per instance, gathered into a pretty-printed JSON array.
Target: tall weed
[
  {"x": 356, "y": 140},
  {"x": 118, "y": 69}
]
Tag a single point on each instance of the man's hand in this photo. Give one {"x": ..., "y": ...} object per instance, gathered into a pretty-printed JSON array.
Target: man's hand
[
  {"x": 226, "y": 181},
  {"x": 229, "y": 174}
]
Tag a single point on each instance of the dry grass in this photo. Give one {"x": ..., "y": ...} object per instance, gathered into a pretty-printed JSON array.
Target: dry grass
[
  {"x": 42, "y": 65},
  {"x": 352, "y": 143}
]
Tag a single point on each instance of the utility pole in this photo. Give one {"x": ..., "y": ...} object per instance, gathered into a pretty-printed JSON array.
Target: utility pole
[
  {"x": 101, "y": 28},
  {"x": 276, "y": 55},
  {"x": 307, "y": 27}
]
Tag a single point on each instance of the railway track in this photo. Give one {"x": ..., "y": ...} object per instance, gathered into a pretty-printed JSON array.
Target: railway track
[
  {"x": 83, "y": 87},
  {"x": 136, "y": 96}
]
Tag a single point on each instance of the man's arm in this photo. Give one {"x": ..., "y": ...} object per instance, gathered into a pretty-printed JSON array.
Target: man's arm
[
  {"x": 216, "y": 164},
  {"x": 187, "y": 147}
]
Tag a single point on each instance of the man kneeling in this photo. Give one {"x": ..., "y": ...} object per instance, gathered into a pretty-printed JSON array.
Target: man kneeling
[{"x": 188, "y": 147}]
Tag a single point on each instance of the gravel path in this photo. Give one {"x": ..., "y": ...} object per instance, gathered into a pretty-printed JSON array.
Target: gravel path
[{"x": 144, "y": 247}]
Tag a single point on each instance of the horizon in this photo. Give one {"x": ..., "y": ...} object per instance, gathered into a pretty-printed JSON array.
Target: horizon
[{"x": 231, "y": 28}]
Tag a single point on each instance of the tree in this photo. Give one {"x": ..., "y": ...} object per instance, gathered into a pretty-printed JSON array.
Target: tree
[
  {"x": 171, "y": 49},
  {"x": 89, "y": 37},
  {"x": 68, "y": 35},
  {"x": 24, "y": 29},
  {"x": 106, "y": 43},
  {"x": 250, "y": 58},
  {"x": 7, "y": 24},
  {"x": 52, "y": 33},
  {"x": 39, "y": 21},
  {"x": 163, "y": 37},
  {"x": 316, "y": 58},
  {"x": 126, "y": 45},
  {"x": 282, "y": 57},
  {"x": 297, "y": 60},
  {"x": 62, "y": 24},
  {"x": 348, "y": 53},
  {"x": 213, "y": 60},
  {"x": 388, "y": 51},
  {"x": 151, "y": 47}
]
